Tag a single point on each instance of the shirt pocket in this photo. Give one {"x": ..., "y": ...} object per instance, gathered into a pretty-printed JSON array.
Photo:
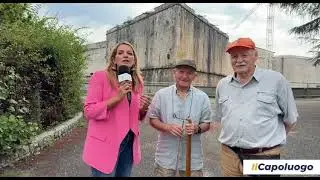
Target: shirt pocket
[
  {"x": 266, "y": 105},
  {"x": 224, "y": 104}
]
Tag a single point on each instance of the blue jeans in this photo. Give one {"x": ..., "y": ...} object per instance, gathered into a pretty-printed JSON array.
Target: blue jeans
[{"x": 123, "y": 167}]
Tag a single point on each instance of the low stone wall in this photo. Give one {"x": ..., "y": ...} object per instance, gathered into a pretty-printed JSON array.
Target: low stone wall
[{"x": 42, "y": 141}]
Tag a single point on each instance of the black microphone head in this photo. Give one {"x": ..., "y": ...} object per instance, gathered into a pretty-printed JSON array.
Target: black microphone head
[
  {"x": 124, "y": 73},
  {"x": 123, "y": 69}
]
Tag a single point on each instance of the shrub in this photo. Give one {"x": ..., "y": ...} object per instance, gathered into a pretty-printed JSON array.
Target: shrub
[
  {"x": 15, "y": 132},
  {"x": 42, "y": 66},
  {"x": 41, "y": 74}
]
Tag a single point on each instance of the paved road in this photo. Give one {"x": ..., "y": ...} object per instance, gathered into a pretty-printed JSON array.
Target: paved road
[{"x": 64, "y": 158}]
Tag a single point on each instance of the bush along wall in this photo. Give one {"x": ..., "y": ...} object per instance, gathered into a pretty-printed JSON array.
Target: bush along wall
[{"x": 42, "y": 69}]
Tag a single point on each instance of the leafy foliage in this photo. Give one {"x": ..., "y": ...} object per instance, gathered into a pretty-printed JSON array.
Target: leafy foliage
[
  {"x": 14, "y": 132},
  {"x": 41, "y": 67},
  {"x": 309, "y": 31}
]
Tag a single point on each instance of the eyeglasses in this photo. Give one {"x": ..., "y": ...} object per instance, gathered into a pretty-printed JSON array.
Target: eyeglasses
[{"x": 175, "y": 116}]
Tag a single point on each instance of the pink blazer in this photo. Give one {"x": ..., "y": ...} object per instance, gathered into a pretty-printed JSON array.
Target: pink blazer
[{"x": 108, "y": 127}]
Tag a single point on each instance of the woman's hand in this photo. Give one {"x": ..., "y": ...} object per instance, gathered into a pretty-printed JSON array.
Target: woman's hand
[
  {"x": 125, "y": 87},
  {"x": 144, "y": 103}
]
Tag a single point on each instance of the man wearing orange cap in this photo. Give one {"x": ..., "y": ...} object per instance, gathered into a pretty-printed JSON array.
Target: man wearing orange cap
[{"x": 255, "y": 107}]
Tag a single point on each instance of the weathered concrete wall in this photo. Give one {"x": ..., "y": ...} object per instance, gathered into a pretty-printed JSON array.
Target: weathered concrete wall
[
  {"x": 173, "y": 31},
  {"x": 154, "y": 39},
  {"x": 169, "y": 33},
  {"x": 203, "y": 42},
  {"x": 96, "y": 57},
  {"x": 152, "y": 34},
  {"x": 300, "y": 73},
  {"x": 298, "y": 70},
  {"x": 97, "y": 61},
  {"x": 265, "y": 58}
]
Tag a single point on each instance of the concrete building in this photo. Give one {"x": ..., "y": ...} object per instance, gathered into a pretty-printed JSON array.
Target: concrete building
[
  {"x": 96, "y": 56},
  {"x": 173, "y": 31},
  {"x": 265, "y": 58},
  {"x": 298, "y": 70}
]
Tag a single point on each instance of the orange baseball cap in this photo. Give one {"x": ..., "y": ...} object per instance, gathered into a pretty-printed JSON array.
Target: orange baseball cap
[{"x": 242, "y": 42}]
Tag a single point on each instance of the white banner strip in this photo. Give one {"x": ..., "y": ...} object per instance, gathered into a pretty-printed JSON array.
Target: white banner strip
[
  {"x": 279, "y": 167},
  {"x": 124, "y": 77}
]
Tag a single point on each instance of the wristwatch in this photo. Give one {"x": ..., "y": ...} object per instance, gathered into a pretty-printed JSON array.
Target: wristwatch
[{"x": 199, "y": 129}]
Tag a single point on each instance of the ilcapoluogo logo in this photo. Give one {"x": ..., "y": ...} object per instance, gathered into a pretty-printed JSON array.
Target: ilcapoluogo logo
[{"x": 293, "y": 167}]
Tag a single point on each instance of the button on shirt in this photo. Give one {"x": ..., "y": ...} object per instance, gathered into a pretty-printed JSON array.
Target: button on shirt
[
  {"x": 165, "y": 103},
  {"x": 252, "y": 115}
]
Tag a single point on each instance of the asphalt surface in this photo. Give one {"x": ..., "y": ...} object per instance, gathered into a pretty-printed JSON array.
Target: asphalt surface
[{"x": 63, "y": 159}]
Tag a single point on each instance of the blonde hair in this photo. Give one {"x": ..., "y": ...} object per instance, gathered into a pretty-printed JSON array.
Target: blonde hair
[{"x": 112, "y": 71}]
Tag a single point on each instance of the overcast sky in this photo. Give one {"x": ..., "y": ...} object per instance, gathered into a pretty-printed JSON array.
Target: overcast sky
[{"x": 99, "y": 17}]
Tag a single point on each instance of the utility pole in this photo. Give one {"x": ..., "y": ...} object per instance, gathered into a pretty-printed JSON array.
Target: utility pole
[{"x": 269, "y": 31}]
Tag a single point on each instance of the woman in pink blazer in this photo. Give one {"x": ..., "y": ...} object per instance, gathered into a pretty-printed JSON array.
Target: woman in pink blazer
[{"x": 112, "y": 144}]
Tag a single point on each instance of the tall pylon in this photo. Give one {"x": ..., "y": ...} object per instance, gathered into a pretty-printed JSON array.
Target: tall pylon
[{"x": 270, "y": 31}]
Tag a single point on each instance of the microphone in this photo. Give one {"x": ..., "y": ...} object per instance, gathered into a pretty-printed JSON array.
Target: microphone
[{"x": 124, "y": 75}]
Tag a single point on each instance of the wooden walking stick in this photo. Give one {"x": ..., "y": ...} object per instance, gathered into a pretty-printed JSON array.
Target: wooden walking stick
[{"x": 188, "y": 154}]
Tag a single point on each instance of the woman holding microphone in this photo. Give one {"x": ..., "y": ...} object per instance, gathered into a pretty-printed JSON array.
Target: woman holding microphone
[{"x": 112, "y": 143}]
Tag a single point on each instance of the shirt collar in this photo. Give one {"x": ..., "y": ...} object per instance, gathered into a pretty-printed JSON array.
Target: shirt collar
[
  {"x": 176, "y": 90},
  {"x": 257, "y": 73}
]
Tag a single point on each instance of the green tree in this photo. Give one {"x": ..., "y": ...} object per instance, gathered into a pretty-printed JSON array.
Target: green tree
[
  {"x": 309, "y": 31},
  {"x": 41, "y": 65},
  {"x": 42, "y": 68},
  {"x": 12, "y": 12}
]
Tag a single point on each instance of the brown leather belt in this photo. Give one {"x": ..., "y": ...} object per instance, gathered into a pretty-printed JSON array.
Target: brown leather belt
[{"x": 253, "y": 150}]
